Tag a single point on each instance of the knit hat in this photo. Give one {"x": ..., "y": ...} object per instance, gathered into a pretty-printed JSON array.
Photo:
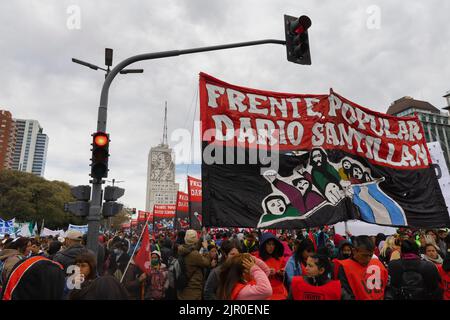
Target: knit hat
[{"x": 191, "y": 237}]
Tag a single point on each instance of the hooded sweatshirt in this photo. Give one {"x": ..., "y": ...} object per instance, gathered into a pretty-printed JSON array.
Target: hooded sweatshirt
[{"x": 279, "y": 291}]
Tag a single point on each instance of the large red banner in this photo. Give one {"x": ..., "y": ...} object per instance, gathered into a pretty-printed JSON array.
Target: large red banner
[{"x": 251, "y": 118}]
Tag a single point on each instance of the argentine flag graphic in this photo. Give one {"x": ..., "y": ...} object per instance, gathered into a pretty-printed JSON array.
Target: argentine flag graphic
[{"x": 377, "y": 207}]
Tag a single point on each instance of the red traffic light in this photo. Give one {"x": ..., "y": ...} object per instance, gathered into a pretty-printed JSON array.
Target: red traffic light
[{"x": 101, "y": 139}]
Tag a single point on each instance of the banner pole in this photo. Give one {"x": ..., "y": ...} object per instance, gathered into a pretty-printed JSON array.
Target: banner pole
[{"x": 134, "y": 250}]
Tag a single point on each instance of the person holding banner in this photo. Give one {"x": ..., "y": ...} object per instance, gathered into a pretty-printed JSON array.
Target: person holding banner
[{"x": 363, "y": 276}]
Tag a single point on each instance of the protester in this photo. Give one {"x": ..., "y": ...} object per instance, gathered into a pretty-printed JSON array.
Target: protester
[
  {"x": 73, "y": 248},
  {"x": 296, "y": 265},
  {"x": 118, "y": 260},
  {"x": 431, "y": 254},
  {"x": 53, "y": 248},
  {"x": 228, "y": 249},
  {"x": 316, "y": 284},
  {"x": 195, "y": 263},
  {"x": 390, "y": 250},
  {"x": 87, "y": 264},
  {"x": 158, "y": 279},
  {"x": 271, "y": 252},
  {"x": 344, "y": 252},
  {"x": 250, "y": 244},
  {"x": 166, "y": 251},
  {"x": 35, "y": 278},
  {"x": 412, "y": 278},
  {"x": 242, "y": 279},
  {"x": 442, "y": 233},
  {"x": 362, "y": 277},
  {"x": 15, "y": 250}
]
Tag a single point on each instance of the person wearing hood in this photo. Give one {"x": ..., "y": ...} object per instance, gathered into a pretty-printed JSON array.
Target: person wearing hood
[
  {"x": 195, "y": 263},
  {"x": 158, "y": 279},
  {"x": 316, "y": 284},
  {"x": 271, "y": 252},
  {"x": 14, "y": 251},
  {"x": 344, "y": 252}
]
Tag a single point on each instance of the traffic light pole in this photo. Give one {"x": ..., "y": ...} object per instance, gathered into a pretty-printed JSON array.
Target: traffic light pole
[{"x": 96, "y": 201}]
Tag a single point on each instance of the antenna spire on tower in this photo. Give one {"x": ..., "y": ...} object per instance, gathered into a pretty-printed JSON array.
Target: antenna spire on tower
[{"x": 165, "y": 126}]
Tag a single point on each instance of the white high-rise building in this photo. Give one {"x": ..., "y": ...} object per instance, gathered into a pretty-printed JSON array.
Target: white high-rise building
[
  {"x": 161, "y": 186},
  {"x": 30, "y": 152}
]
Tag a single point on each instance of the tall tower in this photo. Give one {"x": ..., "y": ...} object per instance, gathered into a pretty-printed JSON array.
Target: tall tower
[
  {"x": 161, "y": 186},
  {"x": 31, "y": 147}
]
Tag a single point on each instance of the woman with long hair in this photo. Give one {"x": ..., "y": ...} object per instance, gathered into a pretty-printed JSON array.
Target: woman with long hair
[
  {"x": 390, "y": 250},
  {"x": 242, "y": 279},
  {"x": 296, "y": 265}
]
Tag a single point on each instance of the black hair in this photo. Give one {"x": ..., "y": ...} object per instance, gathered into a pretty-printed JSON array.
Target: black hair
[
  {"x": 19, "y": 244},
  {"x": 363, "y": 242},
  {"x": 54, "y": 247},
  {"x": 409, "y": 246},
  {"x": 380, "y": 237},
  {"x": 270, "y": 198},
  {"x": 305, "y": 245},
  {"x": 277, "y": 252},
  {"x": 323, "y": 261}
]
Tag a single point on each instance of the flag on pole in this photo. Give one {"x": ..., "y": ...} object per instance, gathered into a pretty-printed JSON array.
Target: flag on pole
[{"x": 143, "y": 256}]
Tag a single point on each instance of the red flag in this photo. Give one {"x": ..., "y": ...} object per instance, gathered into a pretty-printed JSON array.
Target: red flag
[
  {"x": 313, "y": 239},
  {"x": 143, "y": 256}
]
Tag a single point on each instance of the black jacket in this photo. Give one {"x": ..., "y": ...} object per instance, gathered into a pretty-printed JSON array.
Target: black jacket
[
  {"x": 67, "y": 256},
  {"x": 429, "y": 272}
]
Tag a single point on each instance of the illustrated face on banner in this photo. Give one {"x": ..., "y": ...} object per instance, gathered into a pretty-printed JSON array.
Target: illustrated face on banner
[
  {"x": 325, "y": 183},
  {"x": 276, "y": 205}
]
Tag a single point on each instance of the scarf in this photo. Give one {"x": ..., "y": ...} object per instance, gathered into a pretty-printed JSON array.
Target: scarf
[{"x": 439, "y": 260}]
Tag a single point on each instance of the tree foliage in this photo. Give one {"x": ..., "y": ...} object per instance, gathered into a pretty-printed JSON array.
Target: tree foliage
[{"x": 27, "y": 197}]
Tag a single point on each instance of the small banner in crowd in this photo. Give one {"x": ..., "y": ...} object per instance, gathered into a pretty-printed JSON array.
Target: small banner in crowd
[
  {"x": 82, "y": 229},
  {"x": 45, "y": 232},
  {"x": 195, "y": 203},
  {"x": 278, "y": 160},
  {"x": 26, "y": 229},
  {"x": 163, "y": 216},
  {"x": 182, "y": 211},
  {"x": 7, "y": 227}
]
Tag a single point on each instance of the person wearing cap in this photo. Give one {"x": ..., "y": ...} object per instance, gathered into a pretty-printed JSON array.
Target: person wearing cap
[
  {"x": 195, "y": 263},
  {"x": 73, "y": 248}
]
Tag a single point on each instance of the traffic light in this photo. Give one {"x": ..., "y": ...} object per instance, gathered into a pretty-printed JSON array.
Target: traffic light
[
  {"x": 100, "y": 155},
  {"x": 79, "y": 208},
  {"x": 110, "y": 195},
  {"x": 297, "y": 40}
]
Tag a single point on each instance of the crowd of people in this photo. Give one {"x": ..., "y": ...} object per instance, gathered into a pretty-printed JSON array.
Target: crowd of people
[{"x": 230, "y": 264}]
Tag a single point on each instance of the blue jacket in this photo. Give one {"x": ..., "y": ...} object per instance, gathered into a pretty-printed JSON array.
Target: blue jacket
[{"x": 292, "y": 269}]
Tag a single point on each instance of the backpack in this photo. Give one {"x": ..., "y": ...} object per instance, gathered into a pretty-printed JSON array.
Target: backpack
[
  {"x": 412, "y": 286},
  {"x": 178, "y": 278}
]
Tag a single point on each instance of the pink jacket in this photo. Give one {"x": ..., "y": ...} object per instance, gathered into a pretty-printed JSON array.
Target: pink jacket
[{"x": 262, "y": 290}]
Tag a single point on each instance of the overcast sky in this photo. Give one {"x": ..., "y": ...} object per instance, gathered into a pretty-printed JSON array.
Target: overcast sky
[{"x": 368, "y": 60}]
